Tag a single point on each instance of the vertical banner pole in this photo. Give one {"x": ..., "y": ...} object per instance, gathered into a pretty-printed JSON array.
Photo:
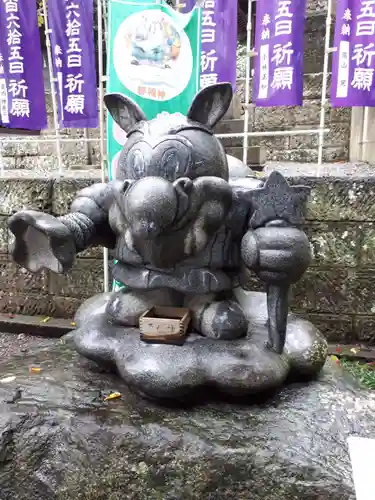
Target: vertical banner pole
[
  {"x": 365, "y": 134},
  {"x": 245, "y": 143},
  {"x": 105, "y": 16},
  {"x": 1, "y": 160},
  {"x": 324, "y": 85},
  {"x": 102, "y": 125},
  {"x": 53, "y": 89},
  {"x": 88, "y": 154}
]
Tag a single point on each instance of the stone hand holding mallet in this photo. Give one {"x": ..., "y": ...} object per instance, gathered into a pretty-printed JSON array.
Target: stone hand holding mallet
[{"x": 275, "y": 249}]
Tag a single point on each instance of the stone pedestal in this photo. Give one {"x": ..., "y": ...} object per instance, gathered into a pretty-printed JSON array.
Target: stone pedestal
[{"x": 60, "y": 440}]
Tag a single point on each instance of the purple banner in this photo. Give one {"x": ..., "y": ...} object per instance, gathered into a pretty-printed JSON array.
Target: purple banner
[
  {"x": 72, "y": 38},
  {"x": 278, "y": 73},
  {"x": 22, "y": 99},
  {"x": 353, "y": 62},
  {"x": 218, "y": 39}
]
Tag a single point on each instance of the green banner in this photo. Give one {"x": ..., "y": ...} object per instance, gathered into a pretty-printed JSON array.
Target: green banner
[{"x": 153, "y": 58}]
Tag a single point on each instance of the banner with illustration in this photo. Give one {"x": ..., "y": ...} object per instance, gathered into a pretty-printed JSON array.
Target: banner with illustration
[
  {"x": 279, "y": 47},
  {"x": 153, "y": 57},
  {"x": 22, "y": 99},
  {"x": 72, "y": 38},
  {"x": 218, "y": 39},
  {"x": 353, "y": 62}
]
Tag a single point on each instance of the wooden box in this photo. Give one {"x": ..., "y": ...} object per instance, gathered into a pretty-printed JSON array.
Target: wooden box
[{"x": 165, "y": 325}]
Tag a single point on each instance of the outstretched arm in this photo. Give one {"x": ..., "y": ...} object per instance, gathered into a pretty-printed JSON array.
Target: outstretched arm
[
  {"x": 45, "y": 241},
  {"x": 88, "y": 217},
  {"x": 275, "y": 249}
]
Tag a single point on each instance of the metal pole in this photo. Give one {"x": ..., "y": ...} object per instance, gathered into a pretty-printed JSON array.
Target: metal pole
[
  {"x": 365, "y": 134},
  {"x": 53, "y": 89},
  {"x": 103, "y": 156},
  {"x": 87, "y": 146},
  {"x": 105, "y": 16},
  {"x": 247, "y": 83},
  {"x": 274, "y": 133},
  {"x": 1, "y": 160},
  {"x": 327, "y": 51},
  {"x": 270, "y": 133}
]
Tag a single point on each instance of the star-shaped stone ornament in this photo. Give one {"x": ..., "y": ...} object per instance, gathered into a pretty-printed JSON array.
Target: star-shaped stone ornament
[{"x": 277, "y": 199}]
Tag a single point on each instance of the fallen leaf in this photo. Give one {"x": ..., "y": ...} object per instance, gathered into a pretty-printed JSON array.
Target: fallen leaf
[
  {"x": 6, "y": 380},
  {"x": 354, "y": 351},
  {"x": 35, "y": 369},
  {"x": 73, "y": 323},
  {"x": 338, "y": 349},
  {"x": 113, "y": 395},
  {"x": 45, "y": 320}
]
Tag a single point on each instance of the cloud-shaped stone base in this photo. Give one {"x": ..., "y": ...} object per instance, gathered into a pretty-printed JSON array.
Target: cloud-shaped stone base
[{"x": 240, "y": 367}]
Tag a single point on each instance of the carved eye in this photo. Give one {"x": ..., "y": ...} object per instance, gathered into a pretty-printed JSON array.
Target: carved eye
[
  {"x": 136, "y": 163},
  {"x": 170, "y": 163}
]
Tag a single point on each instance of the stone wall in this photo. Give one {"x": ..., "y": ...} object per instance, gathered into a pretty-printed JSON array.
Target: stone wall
[{"x": 337, "y": 292}]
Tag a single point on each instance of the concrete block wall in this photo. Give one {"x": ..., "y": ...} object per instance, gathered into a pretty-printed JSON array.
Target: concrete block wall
[
  {"x": 337, "y": 292},
  {"x": 44, "y": 293}
]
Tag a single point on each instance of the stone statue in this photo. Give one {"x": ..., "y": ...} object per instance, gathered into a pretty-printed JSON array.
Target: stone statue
[{"x": 184, "y": 233}]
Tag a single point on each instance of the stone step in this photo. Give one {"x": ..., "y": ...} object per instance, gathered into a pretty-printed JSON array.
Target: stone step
[{"x": 289, "y": 118}]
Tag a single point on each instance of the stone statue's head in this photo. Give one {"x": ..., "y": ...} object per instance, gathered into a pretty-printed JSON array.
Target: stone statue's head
[
  {"x": 172, "y": 190},
  {"x": 172, "y": 145}
]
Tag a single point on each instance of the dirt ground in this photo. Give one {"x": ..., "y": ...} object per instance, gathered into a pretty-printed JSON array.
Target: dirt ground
[{"x": 13, "y": 344}]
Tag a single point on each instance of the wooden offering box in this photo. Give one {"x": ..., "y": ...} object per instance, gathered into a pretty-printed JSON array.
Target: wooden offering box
[{"x": 165, "y": 325}]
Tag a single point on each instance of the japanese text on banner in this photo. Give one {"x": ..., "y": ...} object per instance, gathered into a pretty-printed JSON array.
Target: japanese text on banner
[
  {"x": 209, "y": 75},
  {"x": 72, "y": 38},
  {"x": 4, "y": 113},
  {"x": 278, "y": 78},
  {"x": 354, "y": 60},
  {"x": 22, "y": 100},
  {"x": 218, "y": 40}
]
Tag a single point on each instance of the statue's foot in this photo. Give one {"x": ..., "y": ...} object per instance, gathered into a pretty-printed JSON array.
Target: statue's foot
[
  {"x": 222, "y": 320},
  {"x": 125, "y": 307}
]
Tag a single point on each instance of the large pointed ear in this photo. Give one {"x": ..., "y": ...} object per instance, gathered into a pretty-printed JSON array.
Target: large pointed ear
[
  {"x": 124, "y": 111},
  {"x": 211, "y": 104}
]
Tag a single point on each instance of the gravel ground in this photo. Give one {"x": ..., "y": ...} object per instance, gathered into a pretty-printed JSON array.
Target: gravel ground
[{"x": 12, "y": 344}]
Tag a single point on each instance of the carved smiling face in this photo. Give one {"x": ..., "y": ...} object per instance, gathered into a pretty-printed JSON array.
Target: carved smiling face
[
  {"x": 172, "y": 146},
  {"x": 172, "y": 192}
]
